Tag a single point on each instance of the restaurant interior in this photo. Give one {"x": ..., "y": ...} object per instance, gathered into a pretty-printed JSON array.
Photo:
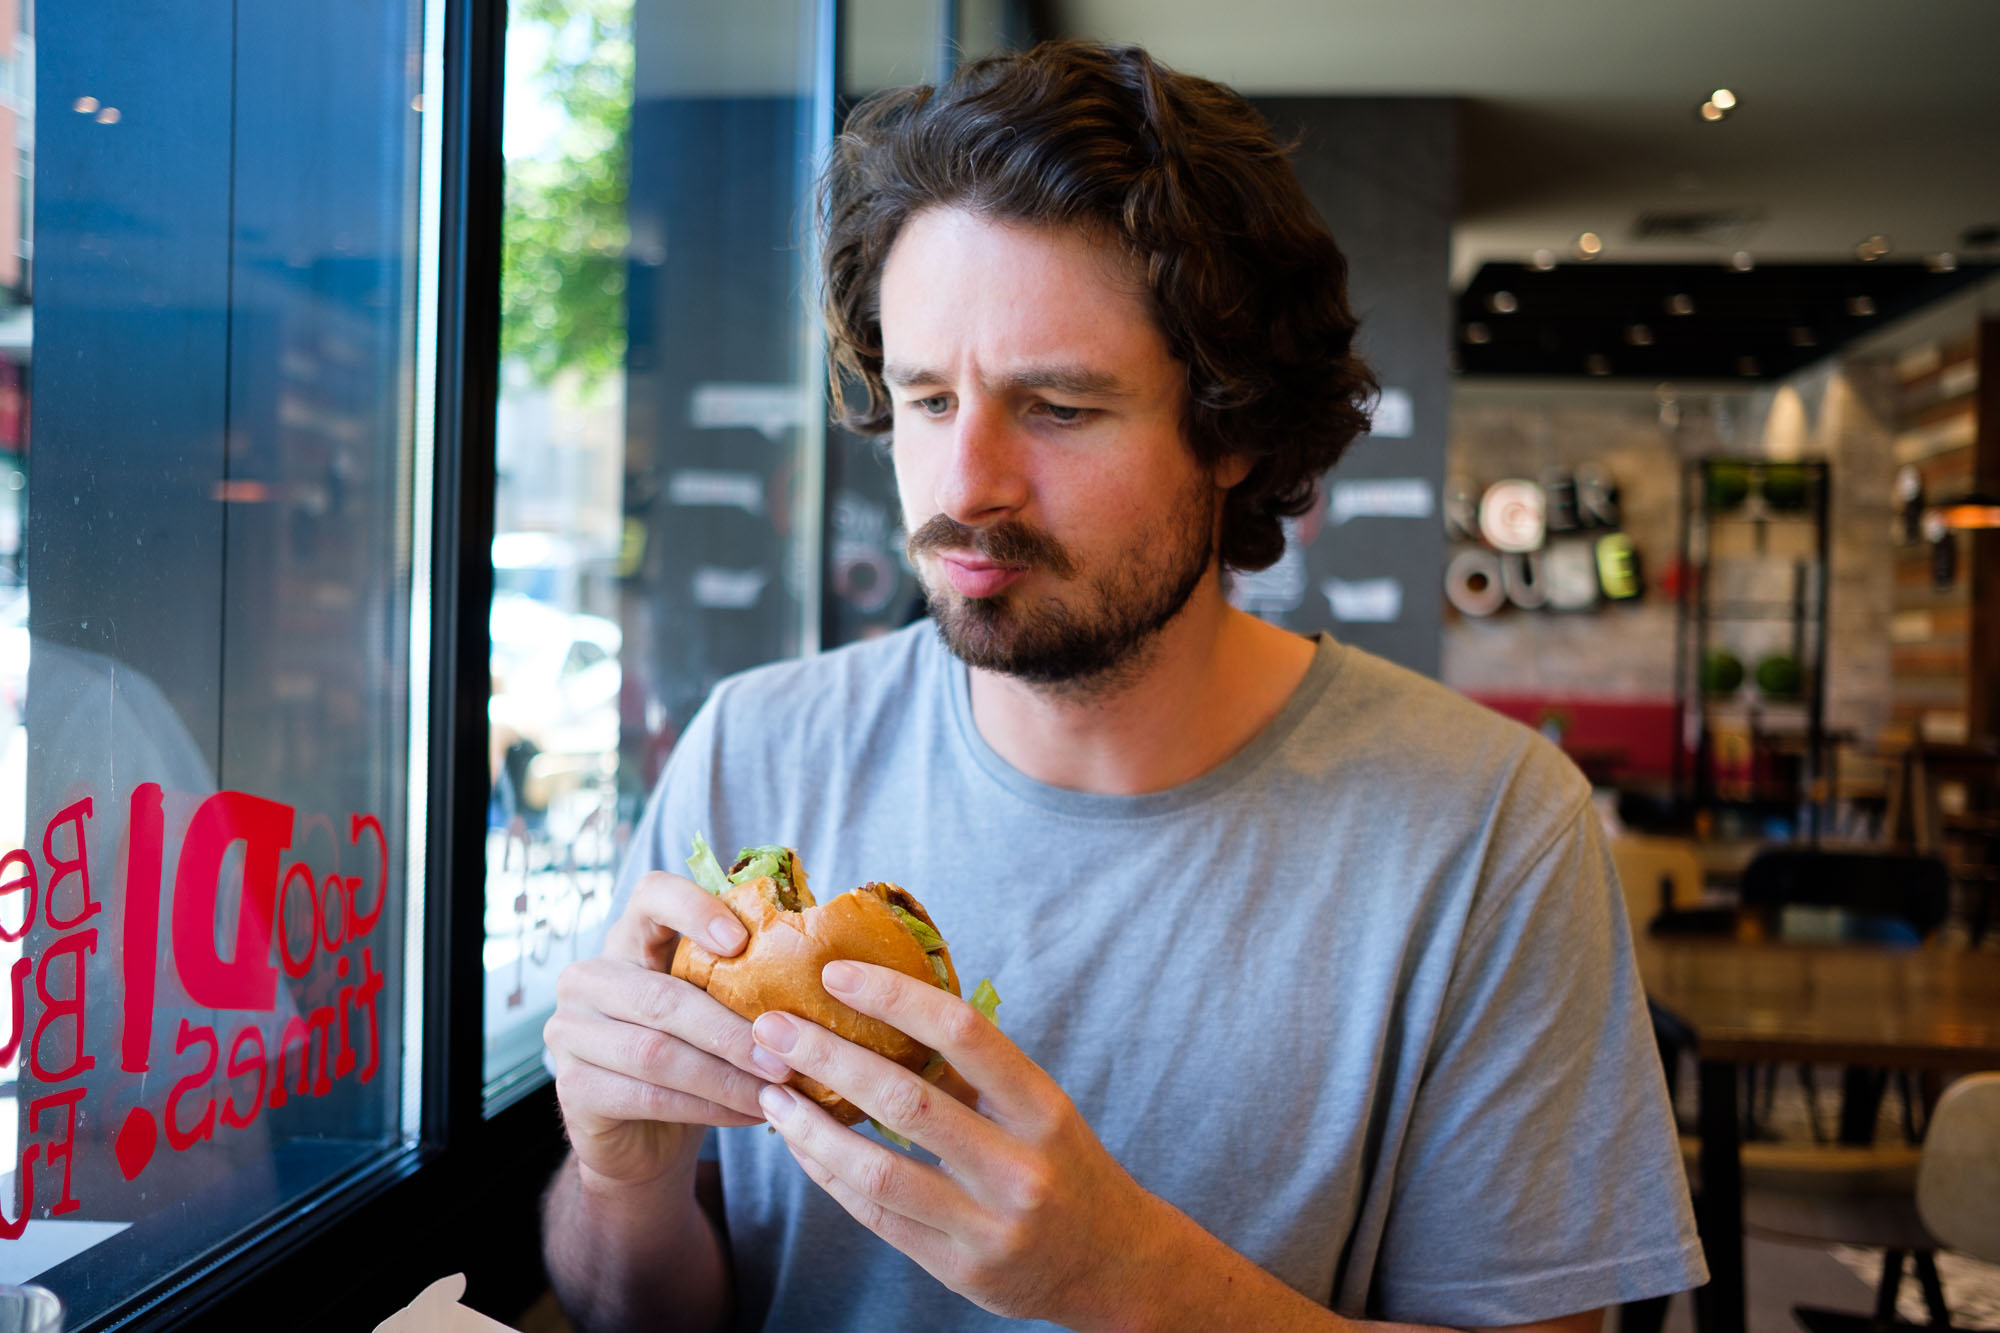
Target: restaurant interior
[{"x": 505, "y": 427}]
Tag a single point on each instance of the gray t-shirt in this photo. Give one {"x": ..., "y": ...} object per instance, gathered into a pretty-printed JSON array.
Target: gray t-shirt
[{"x": 1360, "y": 1000}]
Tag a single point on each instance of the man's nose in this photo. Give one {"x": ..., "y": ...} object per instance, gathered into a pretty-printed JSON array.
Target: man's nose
[{"x": 983, "y": 479}]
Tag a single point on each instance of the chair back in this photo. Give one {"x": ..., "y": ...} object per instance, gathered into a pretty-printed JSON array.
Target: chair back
[
  {"x": 1658, "y": 874},
  {"x": 1958, "y": 1182},
  {"x": 1912, "y": 892}
]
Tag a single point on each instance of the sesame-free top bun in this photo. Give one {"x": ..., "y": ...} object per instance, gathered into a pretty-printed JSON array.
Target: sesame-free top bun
[{"x": 780, "y": 967}]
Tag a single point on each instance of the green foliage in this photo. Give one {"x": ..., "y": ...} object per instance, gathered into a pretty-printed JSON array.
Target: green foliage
[{"x": 564, "y": 231}]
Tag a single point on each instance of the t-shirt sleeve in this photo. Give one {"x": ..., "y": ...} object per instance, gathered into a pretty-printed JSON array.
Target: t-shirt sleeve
[{"x": 1540, "y": 1174}]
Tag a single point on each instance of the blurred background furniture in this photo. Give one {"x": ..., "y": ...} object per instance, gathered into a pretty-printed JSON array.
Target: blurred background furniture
[
  {"x": 1951, "y": 1198},
  {"x": 1737, "y": 1003}
]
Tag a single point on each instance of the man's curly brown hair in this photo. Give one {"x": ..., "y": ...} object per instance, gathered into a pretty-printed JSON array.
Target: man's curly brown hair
[{"x": 1246, "y": 282}]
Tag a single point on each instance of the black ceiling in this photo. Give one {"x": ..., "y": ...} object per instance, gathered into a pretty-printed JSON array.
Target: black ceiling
[{"x": 1619, "y": 320}]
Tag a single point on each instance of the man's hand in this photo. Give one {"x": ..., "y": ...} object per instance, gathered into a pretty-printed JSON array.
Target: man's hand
[
  {"x": 1028, "y": 1215},
  {"x": 644, "y": 1060}
]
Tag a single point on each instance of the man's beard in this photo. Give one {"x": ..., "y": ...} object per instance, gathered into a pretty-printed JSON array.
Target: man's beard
[{"x": 1091, "y": 644}]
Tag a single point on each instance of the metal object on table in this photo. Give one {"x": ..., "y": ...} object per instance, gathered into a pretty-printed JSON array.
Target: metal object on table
[{"x": 30, "y": 1310}]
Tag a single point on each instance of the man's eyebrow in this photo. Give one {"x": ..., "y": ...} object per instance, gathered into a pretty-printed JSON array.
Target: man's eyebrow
[{"x": 1059, "y": 378}]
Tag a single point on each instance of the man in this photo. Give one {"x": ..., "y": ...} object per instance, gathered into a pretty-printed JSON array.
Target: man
[{"x": 1318, "y": 1000}]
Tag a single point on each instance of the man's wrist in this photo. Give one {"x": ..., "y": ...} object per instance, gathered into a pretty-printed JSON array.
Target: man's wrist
[{"x": 1178, "y": 1276}]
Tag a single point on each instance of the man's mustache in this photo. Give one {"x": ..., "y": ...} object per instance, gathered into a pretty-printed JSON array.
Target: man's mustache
[{"x": 1009, "y": 543}]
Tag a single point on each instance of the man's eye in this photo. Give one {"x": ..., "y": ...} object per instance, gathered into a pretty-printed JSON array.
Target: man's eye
[
  {"x": 934, "y": 406},
  {"x": 1067, "y": 416}
]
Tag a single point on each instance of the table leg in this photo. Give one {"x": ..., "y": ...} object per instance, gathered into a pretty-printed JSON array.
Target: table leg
[
  {"x": 1861, "y": 1103},
  {"x": 1719, "y": 1210}
]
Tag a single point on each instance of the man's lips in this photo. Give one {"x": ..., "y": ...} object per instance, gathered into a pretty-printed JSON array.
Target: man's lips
[{"x": 973, "y": 577}]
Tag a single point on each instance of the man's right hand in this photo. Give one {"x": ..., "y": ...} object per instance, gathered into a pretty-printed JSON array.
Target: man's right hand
[{"x": 643, "y": 1059}]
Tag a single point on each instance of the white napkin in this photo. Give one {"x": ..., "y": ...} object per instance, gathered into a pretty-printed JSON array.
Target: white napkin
[{"x": 437, "y": 1310}]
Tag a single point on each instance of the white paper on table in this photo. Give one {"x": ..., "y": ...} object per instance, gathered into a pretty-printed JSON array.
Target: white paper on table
[{"x": 436, "y": 1310}]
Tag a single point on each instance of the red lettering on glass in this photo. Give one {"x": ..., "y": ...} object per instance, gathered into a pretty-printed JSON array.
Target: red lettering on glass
[
  {"x": 334, "y": 884},
  {"x": 12, "y": 1230},
  {"x": 64, "y": 1149},
  {"x": 140, "y": 956},
  {"x": 61, "y": 868},
  {"x": 249, "y": 980},
  {"x": 236, "y": 1069},
  {"x": 73, "y": 947},
  {"x": 357, "y": 924},
  {"x": 25, "y": 880},
  {"x": 297, "y": 967},
  {"x": 368, "y": 993},
  {"x": 15, "y": 975},
  {"x": 183, "y": 1139},
  {"x": 317, "y": 1023}
]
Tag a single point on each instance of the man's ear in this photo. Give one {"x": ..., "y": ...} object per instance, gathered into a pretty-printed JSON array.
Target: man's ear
[{"x": 1231, "y": 469}]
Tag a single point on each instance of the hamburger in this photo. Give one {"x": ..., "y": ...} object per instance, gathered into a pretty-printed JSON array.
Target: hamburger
[{"x": 792, "y": 937}]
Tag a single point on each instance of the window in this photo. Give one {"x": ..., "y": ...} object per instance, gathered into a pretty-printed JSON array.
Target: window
[
  {"x": 657, "y": 507},
  {"x": 207, "y": 463}
]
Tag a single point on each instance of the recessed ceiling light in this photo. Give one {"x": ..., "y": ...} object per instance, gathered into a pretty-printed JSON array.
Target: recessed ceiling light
[
  {"x": 1872, "y": 249},
  {"x": 1711, "y": 112},
  {"x": 1861, "y": 306},
  {"x": 1476, "y": 332},
  {"x": 1589, "y": 245},
  {"x": 1947, "y": 262},
  {"x": 85, "y": 105},
  {"x": 1638, "y": 335},
  {"x": 1543, "y": 261},
  {"x": 1680, "y": 303},
  {"x": 1597, "y": 363},
  {"x": 1723, "y": 98},
  {"x": 1502, "y": 303},
  {"x": 108, "y": 116},
  {"x": 1741, "y": 262}
]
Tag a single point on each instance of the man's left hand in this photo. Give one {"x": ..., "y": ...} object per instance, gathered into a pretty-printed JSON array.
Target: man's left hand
[{"x": 1026, "y": 1215}]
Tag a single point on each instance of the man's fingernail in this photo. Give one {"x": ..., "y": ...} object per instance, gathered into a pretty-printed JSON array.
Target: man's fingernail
[
  {"x": 728, "y": 933},
  {"x": 841, "y": 976},
  {"x": 769, "y": 1065},
  {"x": 777, "y": 1102},
  {"x": 776, "y": 1031}
]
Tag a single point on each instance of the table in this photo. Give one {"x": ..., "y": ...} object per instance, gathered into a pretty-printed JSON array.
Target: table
[{"x": 1738, "y": 1003}]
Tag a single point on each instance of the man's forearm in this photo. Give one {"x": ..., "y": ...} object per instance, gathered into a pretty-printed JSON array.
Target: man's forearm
[
  {"x": 633, "y": 1258},
  {"x": 1186, "y": 1278}
]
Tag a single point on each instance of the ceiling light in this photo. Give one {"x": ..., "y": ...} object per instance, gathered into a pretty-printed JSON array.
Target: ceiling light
[
  {"x": 1711, "y": 112},
  {"x": 1741, "y": 262},
  {"x": 1861, "y": 306},
  {"x": 1872, "y": 249},
  {"x": 85, "y": 105},
  {"x": 1748, "y": 366},
  {"x": 1597, "y": 363},
  {"x": 1589, "y": 245},
  {"x": 1502, "y": 303},
  {"x": 1803, "y": 336},
  {"x": 1680, "y": 303},
  {"x": 1639, "y": 335},
  {"x": 1947, "y": 262},
  {"x": 1543, "y": 261},
  {"x": 108, "y": 116},
  {"x": 1477, "y": 333},
  {"x": 1723, "y": 98}
]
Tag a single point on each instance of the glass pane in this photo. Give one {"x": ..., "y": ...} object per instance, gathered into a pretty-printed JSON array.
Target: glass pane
[
  {"x": 657, "y": 515},
  {"x": 205, "y": 540}
]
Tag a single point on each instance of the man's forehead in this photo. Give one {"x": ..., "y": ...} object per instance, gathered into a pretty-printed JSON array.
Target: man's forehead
[{"x": 1029, "y": 305}]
